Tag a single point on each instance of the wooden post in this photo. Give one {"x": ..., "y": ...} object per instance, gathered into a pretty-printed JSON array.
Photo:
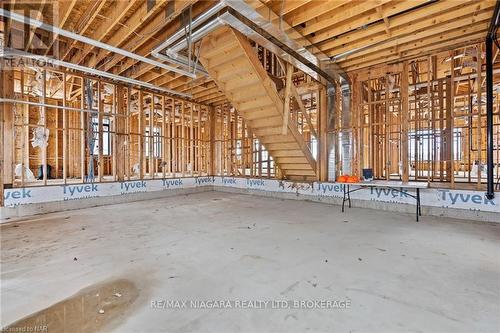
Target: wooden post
[
  {"x": 171, "y": 140},
  {"x": 141, "y": 135},
  {"x": 151, "y": 137},
  {"x": 452, "y": 121},
  {"x": 199, "y": 144},
  {"x": 120, "y": 134},
  {"x": 114, "y": 132},
  {"x": 100, "y": 159},
  {"x": 404, "y": 121},
  {"x": 128, "y": 127},
  {"x": 44, "y": 125},
  {"x": 183, "y": 141},
  {"x": 288, "y": 87},
  {"x": 322, "y": 138},
  {"x": 356, "y": 126},
  {"x": 175, "y": 142},
  {"x": 191, "y": 140},
  {"x": 83, "y": 127},
  {"x": 163, "y": 137},
  {"x": 479, "y": 122},
  {"x": 429, "y": 112},
  {"x": 211, "y": 165},
  {"x": 448, "y": 134},
  {"x": 387, "y": 129},
  {"x": 6, "y": 130},
  {"x": 65, "y": 132},
  {"x": 442, "y": 132},
  {"x": 22, "y": 129}
]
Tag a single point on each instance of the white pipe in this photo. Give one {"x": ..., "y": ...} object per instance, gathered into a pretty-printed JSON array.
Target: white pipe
[
  {"x": 196, "y": 22},
  {"x": 15, "y": 53},
  {"x": 69, "y": 108},
  {"x": 110, "y": 48},
  {"x": 180, "y": 59}
]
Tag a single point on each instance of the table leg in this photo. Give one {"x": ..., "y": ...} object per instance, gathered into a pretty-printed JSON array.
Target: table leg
[
  {"x": 343, "y": 198},
  {"x": 419, "y": 204},
  {"x": 349, "y": 194},
  {"x": 419, "y": 212}
]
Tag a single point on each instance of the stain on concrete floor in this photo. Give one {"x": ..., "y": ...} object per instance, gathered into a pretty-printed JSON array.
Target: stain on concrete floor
[{"x": 88, "y": 311}]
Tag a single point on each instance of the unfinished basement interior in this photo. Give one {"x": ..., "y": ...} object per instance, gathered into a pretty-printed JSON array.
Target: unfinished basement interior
[{"x": 249, "y": 166}]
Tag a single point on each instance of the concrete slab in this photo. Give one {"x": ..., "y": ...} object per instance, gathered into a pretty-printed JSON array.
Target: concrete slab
[{"x": 440, "y": 275}]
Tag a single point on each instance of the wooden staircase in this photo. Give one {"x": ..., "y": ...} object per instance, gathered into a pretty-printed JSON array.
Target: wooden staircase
[{"x": 233, "y": 64}]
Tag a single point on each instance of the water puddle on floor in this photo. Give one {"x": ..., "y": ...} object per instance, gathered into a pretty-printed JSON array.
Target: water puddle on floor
[{"x": 87, "y": 311}]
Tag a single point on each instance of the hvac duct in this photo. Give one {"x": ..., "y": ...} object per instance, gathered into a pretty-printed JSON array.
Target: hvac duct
[{"x": 246, "y": 20}]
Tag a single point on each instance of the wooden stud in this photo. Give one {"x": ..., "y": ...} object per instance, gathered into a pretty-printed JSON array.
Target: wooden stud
[
  {"x": 65, "y": 131},
  {"x": 479, "y": 117},
  {"x": 286, "y": 106},
  {"x": 44, "y": 124},
  {"x": 404, "y": 90},
  {"x": 140, "y": 137},
  {"x": 164, "y": 138},
  {"x": 100, "y": 156}
]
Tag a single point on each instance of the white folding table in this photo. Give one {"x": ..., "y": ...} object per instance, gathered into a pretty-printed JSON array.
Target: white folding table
[{"x": 393, "y": 185}]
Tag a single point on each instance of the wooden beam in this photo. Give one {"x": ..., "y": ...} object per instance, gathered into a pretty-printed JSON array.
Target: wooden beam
[
  {"x": 141, "y": 135},
  {"x": 32, "y": 29},
  {"x": 417, "y": 47},
  {"x": 65, "y": 130},
  {"x": 405, "y": 17},
  {"x": 312, "y": 10},
  {"x": 100, "y": 105},
  {"x": 120, "y": 133},
  {"x": 286, "y": 105},
  {"x": 64, "y": 11},
  {"x": 322, "y": 139},
  {"x": 407, "y": 34},
  {"x": 155, "y": 18},
  {"x": 43, "y": 123},
  {"x": 342, "y": 13},
  {"x": 85, "y": 22},
  {"x": 114, "y": 15},
  {"x": 479, "y": 136},
  {"x": 6, "y": 129},
  {"x": 418, "y": 52}
]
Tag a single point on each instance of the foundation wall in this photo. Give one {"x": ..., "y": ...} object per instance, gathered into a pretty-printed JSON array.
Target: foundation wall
[{"x": 471, "y": 205}]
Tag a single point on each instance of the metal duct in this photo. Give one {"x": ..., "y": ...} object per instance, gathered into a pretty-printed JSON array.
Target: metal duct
[
  {"x": 332, "y": 135},
  {"x": 346, "y": 135},
  {"x": 246, "y": 20}
]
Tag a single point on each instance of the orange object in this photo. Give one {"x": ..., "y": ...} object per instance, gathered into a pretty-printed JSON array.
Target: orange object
[
  {"x": 342, "y": 179},
  {"x": 352, "y": 179}
]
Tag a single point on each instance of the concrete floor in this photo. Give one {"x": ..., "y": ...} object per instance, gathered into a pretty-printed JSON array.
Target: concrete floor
[{"x": 440, "y": 275}]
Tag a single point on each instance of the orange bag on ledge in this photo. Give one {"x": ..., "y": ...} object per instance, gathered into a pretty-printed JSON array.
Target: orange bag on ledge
[
  {"x": 342, "y": 179},
  {"x": 352, "y": 179}
]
